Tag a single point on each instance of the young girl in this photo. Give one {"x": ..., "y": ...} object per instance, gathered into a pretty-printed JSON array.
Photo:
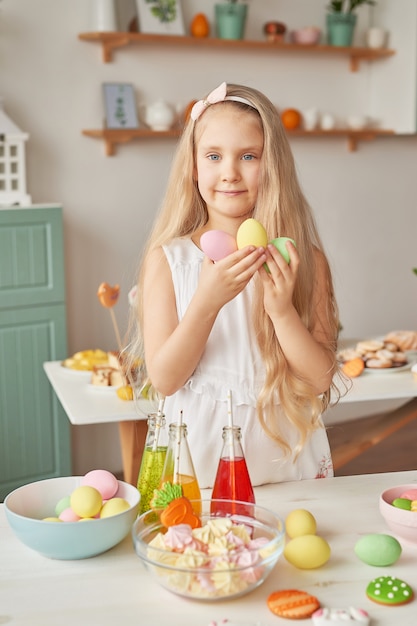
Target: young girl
[{"x": 207, "y": 328}]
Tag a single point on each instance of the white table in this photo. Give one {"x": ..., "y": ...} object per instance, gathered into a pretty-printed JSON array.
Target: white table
[
  {"x": 391, "y": 394},
  {"x": 88, "y": 404},
  {"x": 114, "y": 588}
]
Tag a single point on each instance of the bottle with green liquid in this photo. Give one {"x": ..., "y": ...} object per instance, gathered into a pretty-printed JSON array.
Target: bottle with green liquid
[{"x": 153, "y": 460}]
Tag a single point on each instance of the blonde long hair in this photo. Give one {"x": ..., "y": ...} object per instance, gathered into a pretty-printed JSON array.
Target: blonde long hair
[{"x": 283, "y": 210}]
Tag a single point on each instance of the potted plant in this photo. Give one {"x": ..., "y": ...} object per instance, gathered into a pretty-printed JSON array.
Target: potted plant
[
  {"x": 230, "y": 19},
  {"x": 341, "y": 20}
]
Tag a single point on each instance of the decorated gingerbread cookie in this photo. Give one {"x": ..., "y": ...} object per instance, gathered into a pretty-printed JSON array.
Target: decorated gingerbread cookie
[
  {"x": 292, "y": 604},
  {"x": 389, "y": 590},
  {"x": 339, "y": 617},
  {"x": 174, "y": 506}
]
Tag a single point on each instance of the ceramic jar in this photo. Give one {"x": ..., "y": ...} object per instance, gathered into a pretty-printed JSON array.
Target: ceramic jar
[
  {"x": 160, "y": 115},
  {"x": 103, "y": 15}
]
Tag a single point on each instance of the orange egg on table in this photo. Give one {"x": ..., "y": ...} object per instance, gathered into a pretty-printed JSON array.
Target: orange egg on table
[
  {"x": 291, "y": 119},
  {"x": 200, "y": 26}
]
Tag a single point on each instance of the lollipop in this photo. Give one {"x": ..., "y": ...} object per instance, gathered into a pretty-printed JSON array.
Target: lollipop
[{"x": 108, "y": 297}]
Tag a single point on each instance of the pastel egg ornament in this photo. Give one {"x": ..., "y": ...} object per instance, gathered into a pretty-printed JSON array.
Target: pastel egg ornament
[
  {"x": 300, "y": 522},
  {"x": 307, "y": 551},
  {"x": 217, "y": 244},
  {"x": 251, "y": 233},
  {"x": 280, "y": 244},
  {"x": 379, "y": 550},
  {"x": 102, "y": 480}
]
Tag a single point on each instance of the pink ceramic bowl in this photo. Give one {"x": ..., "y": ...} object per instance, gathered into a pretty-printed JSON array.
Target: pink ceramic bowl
[
  {"x": 308, "y": 36},
  {"x": 401, "y": 522}
]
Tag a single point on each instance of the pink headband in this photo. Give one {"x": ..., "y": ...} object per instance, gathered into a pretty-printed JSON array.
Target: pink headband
[{"x": 217, "y": 95}]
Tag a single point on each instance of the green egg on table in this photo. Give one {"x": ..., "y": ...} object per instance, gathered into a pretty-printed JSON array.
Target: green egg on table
[
  {"x": 378, "y": 550},
  {"x": 307, "y": 551},
  {"x": 251, "y": 233},
  {"x": 300, "y": 522}
]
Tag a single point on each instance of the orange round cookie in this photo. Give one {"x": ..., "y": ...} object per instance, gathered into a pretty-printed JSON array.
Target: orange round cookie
[
  {"x": 354, "y": 367},
  {"x": 292, "y": 604}
]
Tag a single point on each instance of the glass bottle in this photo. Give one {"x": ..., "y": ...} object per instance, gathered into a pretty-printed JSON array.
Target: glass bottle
[
  {"x": 153, "y": 459},
  {"x": 232, "y": 480},
  {"x": 179, "y": 468}
]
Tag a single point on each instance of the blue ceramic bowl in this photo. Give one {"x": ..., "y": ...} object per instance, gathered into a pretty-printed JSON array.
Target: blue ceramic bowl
[{"x": 27, "y": 506}]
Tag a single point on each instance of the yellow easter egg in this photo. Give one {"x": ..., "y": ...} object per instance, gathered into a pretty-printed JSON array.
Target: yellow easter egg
[
  {"x": 125, "y": 392},
  {"x": 86, "y": 501},
  {"x": 307, "y": 551},
  {"x": 300, "y": 522},
  {"x": 114, "y": 506},
  {"x": 51, "y": 519},
  {"x": 251, "y": 233}
]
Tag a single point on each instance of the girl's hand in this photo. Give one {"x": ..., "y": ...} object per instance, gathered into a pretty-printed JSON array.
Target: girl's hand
[
  {"x": 279, "y": 282},
  {"x": 220, "y": 282}
]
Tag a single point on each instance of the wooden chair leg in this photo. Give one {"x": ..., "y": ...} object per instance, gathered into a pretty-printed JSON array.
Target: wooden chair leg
[{"x": 132, "y": 441}]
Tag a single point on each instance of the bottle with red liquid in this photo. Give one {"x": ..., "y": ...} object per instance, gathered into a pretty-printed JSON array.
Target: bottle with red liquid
[{"x": 232, "y": 479}]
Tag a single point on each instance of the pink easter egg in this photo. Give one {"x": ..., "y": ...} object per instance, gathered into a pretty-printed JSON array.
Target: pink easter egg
[
  {"x": 410, "y": 494},
  {"x": 102, "y": 480},
  {"x": 217, "y": 244},
  {"x": 68, "y": 515}
]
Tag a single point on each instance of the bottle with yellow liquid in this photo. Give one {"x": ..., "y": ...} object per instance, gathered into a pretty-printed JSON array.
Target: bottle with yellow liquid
[
  {"x": 179, "y": 467},
  {"x": 153, "y": 459}
]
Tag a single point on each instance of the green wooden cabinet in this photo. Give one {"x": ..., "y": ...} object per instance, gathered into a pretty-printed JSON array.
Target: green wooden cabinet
[{"x": 35, "y": 440}]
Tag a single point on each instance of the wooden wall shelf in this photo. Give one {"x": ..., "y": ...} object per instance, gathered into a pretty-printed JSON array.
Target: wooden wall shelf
[
  {"x": 112, "y": 137},
  {"x": 111, "y": 41}
]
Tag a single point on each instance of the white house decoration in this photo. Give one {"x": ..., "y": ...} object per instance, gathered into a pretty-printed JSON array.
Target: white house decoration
[{"x": 12, "y": 163}]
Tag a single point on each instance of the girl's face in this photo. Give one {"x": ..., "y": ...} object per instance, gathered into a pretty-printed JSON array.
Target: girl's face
[{"x": 228, "y": 159}]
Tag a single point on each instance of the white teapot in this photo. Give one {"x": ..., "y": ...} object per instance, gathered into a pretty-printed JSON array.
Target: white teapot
[{"x": 159, "y": 116}]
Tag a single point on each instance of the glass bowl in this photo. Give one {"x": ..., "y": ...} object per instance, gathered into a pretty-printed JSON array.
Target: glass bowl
[{"x": 236, "y": 549}]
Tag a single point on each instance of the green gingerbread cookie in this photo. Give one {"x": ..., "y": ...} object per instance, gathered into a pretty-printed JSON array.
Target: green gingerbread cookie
[{"x": 389, "y": 590}]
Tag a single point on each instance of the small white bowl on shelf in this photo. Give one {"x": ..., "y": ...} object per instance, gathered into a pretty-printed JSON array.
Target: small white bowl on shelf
[
  {"x": 307, "y": 36},
  {"x": 357, "y": 122}
]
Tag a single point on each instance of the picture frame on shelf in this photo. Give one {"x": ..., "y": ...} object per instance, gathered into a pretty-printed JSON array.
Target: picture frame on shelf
[
  {"x": 120, "y": 106},
  {"x": 162, "y": 17}
]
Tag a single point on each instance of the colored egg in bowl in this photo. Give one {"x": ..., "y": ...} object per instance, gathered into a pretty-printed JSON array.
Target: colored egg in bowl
[
  {"x": 27, "y": 507},
  {"x": 399, "y": 517},
  {"x": 233, "y": 551}
]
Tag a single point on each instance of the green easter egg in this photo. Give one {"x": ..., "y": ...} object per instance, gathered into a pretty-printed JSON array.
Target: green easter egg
[
  {"x": 402, "y": 503},
  {"x": 279, "y": 243},
  {"x": 378, "y": 549}
]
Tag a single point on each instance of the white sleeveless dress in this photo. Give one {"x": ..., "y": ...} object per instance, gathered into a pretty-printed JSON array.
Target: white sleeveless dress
[{"x": 229, "y": 362}]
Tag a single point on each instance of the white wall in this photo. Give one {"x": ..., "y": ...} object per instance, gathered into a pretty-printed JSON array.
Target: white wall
[{"x": 365, "y": 202}]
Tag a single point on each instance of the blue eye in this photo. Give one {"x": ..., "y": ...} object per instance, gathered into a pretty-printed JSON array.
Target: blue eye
[
  {"x": 213, "y": 157},
  {"x": 248, "y": 157}
]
